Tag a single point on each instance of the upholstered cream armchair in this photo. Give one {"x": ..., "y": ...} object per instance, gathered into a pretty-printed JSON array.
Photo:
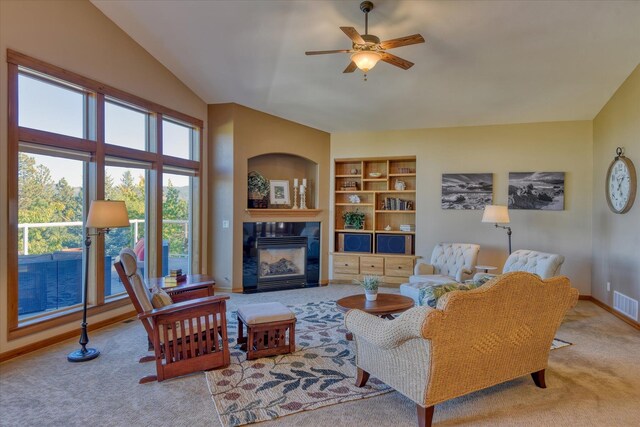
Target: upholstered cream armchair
[
  {"x": 450, "y": 262},
  {"x": 545, "y": 265},
  {"x": 473, "y": 339}
]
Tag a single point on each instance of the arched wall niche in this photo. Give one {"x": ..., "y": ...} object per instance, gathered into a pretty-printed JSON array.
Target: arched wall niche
[{"x": 284, "y": 166}]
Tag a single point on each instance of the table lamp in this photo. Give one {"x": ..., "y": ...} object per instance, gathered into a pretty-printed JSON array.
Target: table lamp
[
  {"x": 103, "y": 216},
  {"x": 498, "y": 215}
]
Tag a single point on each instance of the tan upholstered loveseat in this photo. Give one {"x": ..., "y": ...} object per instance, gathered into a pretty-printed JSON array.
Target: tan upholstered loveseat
[{"x": 473, "y": 340}]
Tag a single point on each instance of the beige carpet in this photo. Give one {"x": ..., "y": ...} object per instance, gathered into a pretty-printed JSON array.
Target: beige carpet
[{"x": 595, "y": 382}]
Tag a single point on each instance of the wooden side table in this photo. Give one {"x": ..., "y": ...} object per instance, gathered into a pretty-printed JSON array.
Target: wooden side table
[
  {"x": 195, "y": 286},
  {"x": 384, "y": 306}
]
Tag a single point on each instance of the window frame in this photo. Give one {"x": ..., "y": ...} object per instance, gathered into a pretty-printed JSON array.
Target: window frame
[{"x": 94, "y": 145}]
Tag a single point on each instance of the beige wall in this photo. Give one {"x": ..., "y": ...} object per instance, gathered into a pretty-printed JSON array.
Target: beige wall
[
  {"x": 221, "y": 187},
  {"x": 616, "y": 247},
  {"x": 78, "y": 37},
  {"x": 551, "y": 147},
  {"x": 252, "y": 133}
]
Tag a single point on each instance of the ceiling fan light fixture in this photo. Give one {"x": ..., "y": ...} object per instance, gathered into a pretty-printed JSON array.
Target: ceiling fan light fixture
[{"x": 366, "y": 59}]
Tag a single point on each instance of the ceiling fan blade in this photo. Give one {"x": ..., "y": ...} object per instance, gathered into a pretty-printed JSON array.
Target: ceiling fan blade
[
  {"x": 353, "y": 34},
  {"x": 350, "y": 68},
  {"x": 402, "y": 41},
  {"x": 394, "y": 60},
  {"x": 323, "y": 52}
]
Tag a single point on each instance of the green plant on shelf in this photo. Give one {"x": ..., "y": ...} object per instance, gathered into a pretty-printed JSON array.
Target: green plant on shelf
[
  {"x": 354, "y": 219},
  {"x": 258, "y": 185}
]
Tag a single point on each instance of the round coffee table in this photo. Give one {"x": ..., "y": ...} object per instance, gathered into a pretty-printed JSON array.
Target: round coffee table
[{"x": 384, "y": 306}]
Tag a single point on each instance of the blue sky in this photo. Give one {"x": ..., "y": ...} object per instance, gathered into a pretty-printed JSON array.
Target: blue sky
[{"x": 52, "y": 108}]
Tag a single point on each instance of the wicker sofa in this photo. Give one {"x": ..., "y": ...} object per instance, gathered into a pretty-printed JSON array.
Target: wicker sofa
[{"x": 509, "y": 325}]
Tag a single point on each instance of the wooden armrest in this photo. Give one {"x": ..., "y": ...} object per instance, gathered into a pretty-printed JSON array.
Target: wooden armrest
[{"x": 179, "y": 306}]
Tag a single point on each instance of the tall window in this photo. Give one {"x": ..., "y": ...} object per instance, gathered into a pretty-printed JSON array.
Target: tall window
[
  {"x": 128, "y": 184},
  {"x": 176, "y": 220},
  {"x": 50, "y": 205},
  {"x": 73, "y": 140}
]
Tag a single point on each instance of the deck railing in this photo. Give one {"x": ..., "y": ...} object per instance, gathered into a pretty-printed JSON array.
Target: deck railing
[{"x": 134, "y": 222}]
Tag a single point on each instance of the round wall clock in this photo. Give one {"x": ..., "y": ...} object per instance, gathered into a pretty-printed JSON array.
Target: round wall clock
[{"x": 621, "y": 183}]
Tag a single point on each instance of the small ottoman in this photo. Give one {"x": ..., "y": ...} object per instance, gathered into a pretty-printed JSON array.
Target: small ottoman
[{"x": 271, "y": 329}]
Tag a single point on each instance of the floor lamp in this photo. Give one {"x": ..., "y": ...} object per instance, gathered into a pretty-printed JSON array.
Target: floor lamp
[
  {"x": 498, "y": 215},
  {"x": 103, "y": 216}
]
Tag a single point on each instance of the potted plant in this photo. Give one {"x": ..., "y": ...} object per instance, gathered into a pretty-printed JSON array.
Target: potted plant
[
  {"x": 370, "y": 285},
  {"x": 258, "y": 190},
  {"x": 353, "y": 220}
]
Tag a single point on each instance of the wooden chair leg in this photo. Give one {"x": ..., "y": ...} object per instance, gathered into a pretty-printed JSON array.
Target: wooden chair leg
[
  {"x": 425, "y": 415},
  {"x": 292, "y": 337},
  {"x": 148, "y": 379},
  {"x": 362, "y": 378},
  {"x": 538, "y": 378}
]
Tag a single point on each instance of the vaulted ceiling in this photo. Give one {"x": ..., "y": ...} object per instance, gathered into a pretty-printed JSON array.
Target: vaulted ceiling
[{"x": 484, "y": 62}]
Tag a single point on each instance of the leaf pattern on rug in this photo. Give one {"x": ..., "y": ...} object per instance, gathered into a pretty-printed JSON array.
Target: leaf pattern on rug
[{"x": 321, "y": 372}]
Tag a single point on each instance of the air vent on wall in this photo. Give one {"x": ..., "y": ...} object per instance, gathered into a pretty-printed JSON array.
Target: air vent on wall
[{"x": 625, "y": 305}]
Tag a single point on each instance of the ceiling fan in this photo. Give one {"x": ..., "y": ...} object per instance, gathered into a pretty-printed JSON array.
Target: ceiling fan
[{"x": 367, "y": 49}]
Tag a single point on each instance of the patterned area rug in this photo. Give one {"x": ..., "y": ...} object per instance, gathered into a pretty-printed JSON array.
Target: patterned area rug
[{"x": 320, "y": 373}]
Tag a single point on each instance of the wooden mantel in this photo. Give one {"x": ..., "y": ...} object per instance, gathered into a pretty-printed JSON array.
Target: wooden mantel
[{"x": 283, "y": 212}]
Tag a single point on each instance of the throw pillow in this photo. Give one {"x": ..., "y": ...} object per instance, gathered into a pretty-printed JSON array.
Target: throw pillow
[
  {"x": 138, "y": 249},
  {"x": 481, "y": 280},
  {"x": 160, "y": 299},
  {"x": 430, "y": 294}
]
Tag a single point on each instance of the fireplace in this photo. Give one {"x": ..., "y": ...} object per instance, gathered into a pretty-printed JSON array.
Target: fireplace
[
  {"x": 282, "y": 261},
  {"x": 280, "y": 255}
]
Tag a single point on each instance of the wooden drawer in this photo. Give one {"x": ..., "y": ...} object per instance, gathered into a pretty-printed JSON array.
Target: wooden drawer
[
  {"x": 346, "y": 264},
  {"x": 398, "y": 267},
  {"x": 372, "y": 265}
]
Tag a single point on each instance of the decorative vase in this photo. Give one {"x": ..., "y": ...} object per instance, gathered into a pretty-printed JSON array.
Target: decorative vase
[
  {"x": 258, "y": 202},
  {"x": 371, "y": 295}
]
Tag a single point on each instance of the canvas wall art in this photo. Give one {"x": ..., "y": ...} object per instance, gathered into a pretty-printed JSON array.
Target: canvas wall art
[
  {"x": 536, "y": 190},
  {"x": 466, "y": 190}
]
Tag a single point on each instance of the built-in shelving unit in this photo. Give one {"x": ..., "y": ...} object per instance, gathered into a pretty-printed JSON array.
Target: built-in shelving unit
[{"x": 386, "y": 189}]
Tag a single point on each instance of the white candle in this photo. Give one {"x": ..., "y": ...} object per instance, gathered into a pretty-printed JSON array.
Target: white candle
[
  {"x": 304, "y": 181},
  {"x": 295, "y": 182},
  {"x": 302, "y": 188}
]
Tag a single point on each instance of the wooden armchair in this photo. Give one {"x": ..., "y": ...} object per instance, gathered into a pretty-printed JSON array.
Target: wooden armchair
[{"x": 187, "y": 336}]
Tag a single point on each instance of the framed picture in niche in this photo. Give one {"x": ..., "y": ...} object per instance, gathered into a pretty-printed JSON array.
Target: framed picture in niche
[
  {"x": 467, "y": 191},
  {"x": 536, "y": 190},
  {"x": 279, "y": 192}
]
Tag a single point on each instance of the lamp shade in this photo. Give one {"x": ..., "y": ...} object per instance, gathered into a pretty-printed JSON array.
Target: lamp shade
[
  {"x": 495, "y": 213},
  {"x": 366, "y": 60},
  {"x": 107, "y": 214}
]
